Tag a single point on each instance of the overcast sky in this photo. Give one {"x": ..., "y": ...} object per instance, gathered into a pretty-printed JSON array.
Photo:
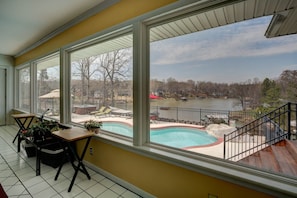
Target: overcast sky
[{"x": 232, "y": 53}]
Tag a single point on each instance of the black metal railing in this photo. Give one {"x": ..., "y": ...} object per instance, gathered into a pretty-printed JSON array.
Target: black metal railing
[
  {"x": 199, "y": 116},
  {"x": 189, "y": 115},
  {"x": 266, "y": 130}
]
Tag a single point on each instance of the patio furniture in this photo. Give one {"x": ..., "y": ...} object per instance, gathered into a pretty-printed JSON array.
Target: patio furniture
[
  {"x": 24, "y": 121},
  {"x": 69, "y": 136},
  {"x": 121, "y": 112},
  {"x": 105, "y": 112},
  {"x": 98, "y": 111}
]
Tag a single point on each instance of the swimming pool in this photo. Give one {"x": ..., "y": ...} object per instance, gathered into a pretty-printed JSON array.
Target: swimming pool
[{"x": 178, "y": 137}]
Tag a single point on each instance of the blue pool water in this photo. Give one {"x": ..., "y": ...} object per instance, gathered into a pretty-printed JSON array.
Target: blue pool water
[{"x": 178, "y": 137}]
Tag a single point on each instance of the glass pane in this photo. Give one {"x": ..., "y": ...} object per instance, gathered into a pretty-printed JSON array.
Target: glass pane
[
  {"x": 24, "y": 89},
  {"x": 48, "y": 87},
  {"x": 101, "y": 85},
  {"x": 210, "y": 83}
]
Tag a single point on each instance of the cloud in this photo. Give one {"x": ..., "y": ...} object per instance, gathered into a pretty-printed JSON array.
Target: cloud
[{"x": 244, "y": 39}]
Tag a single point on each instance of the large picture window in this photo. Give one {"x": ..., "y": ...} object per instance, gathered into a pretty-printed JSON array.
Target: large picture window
[
  {"x": 219, "y": 81},
  {"x": 48, "y": 86},
  {"x": 24, "y": 88},
  {"x": 101, "y": 85}
]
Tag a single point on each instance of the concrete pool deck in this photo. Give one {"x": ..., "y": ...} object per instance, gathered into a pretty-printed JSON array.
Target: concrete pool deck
[{"x": 214, "y": 150}]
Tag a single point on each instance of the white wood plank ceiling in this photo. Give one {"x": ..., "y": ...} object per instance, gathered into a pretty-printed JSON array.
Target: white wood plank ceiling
[
  {"x": 233, "y": 13},
  {"x": 284, "y": 22}
]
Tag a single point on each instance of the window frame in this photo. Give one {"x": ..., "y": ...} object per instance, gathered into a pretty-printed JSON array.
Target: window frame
[
  {"x": 218, "y": 168},
  {"x": 34, "y": 65},
  {"x": 65, "y": 58},
  {"x": 17, "y": 89}
]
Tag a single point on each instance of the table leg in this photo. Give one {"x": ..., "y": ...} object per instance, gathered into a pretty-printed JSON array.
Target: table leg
[
  {"x": 67, "y": 155},
  {"x": 16, "y": 136},
  {"x": 80, "y": 163},
  {"x": 80, "y": 166},
  {"x": 38, "y": 152},
  {"x": 22, "y": 127},
  {"x": 19, "y": 142}
]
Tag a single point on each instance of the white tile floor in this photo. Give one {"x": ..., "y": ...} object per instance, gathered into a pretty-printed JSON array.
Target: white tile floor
[{"x": 17, "y": 176}]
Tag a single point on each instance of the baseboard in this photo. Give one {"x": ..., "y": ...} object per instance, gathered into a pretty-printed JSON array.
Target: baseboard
[{"x": 119, "y": 181}]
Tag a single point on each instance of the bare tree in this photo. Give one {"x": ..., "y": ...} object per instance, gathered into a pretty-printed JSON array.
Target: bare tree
[
  {"x": 156, "y": 86},
  {"x": 42, "y": 85},
  {"x": 85, "y": 71},
  {"x": 114, "y": 67},
  {"x": 247, "y": 92}
]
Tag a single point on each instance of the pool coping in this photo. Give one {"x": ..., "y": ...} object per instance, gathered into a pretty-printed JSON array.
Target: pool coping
[{"x": 219, "y": 141}]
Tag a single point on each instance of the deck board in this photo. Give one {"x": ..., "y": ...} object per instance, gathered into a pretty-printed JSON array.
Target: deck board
[
  {"x": 268, "y": 160},
  {"x": 280, "y": 158}
]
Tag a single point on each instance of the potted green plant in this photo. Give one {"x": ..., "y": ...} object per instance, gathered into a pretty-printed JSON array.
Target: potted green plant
[
  {"x": 92, "y": 125},
  {"x": 38, "y": 135},
  {"x": 42, "y": 131}
]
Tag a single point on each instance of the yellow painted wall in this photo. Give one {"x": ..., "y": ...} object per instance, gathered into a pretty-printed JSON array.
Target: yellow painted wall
[
  {"x": 159, "y": 178},
  {"x": 112, "y": 16}
]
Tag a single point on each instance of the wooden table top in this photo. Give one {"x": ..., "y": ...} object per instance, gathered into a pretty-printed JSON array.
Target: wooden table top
[
  {"x": 23, "y": 115},
  {"x": 73, "y": 134}
]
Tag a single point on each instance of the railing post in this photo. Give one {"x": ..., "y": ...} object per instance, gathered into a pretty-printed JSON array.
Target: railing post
[
  {"x": 224, "y": 146},
  {"x": 289, "y": 120},
  {"x": 200, "y": 116}
]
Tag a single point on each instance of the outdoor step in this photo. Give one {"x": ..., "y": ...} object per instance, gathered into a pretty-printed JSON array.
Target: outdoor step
[
  {"x": 280, "y": 143},
  {"x": 292, "y": 148},
  {"x": 268, "y": 160},
  {"x": 257, "y": 160},
  {"x": 244, "y": 160},
  {"x": 285, "y": 160},
  {"x": 252, "y": 160},
  {"x": 280, "y": 158}
]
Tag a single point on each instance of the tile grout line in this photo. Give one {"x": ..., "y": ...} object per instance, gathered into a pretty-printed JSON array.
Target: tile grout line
[
  {"x": 15, "y": 175},
  {"x": 11, "y": 148},
  {"x": 28, "y": 164}
]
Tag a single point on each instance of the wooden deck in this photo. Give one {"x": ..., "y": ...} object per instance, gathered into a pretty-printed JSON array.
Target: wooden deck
[{"x": 279, "y": 158}]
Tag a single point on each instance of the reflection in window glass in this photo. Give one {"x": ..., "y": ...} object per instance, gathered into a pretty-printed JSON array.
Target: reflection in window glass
[
  {"x": 101, "y": 82},
  {"x": 24, "y": 89},
  {"x": 48, "y": 87}
]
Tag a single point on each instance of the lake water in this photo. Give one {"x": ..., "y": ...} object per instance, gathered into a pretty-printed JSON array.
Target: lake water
[
  {"x": 193, "y": 109},
  {"x": 209, "y": 103}
]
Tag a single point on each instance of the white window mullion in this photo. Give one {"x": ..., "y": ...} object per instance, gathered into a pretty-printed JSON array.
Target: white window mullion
[
  {"x": 33, "y": 87},
  {"x": 141, "y": 78},
  {"x": 65, "y": 93}
]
